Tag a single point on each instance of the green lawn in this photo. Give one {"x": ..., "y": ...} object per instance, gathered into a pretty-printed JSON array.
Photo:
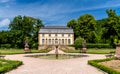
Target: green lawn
[
  {"x": 90, "y": 51},
  {"x": 93, "y": 51},
  {"x": 20, "y": 51},
  {"x": 7, "y": 65}
]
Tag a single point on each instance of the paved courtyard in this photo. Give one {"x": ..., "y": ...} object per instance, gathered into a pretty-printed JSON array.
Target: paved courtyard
[{"x": 45, "y": 66}]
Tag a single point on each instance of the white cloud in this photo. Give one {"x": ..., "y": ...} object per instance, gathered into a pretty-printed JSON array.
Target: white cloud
[
  {"x": 4, "y": 1},
  {"x": 4, "y": 22}
]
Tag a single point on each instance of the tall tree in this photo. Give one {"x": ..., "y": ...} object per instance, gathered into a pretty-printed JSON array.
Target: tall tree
[
  {"x": 112, "y": 26},
  {"x": 73, "y": 24},
  {"x": 22, "y": 27},
  {"x": 86, "y": 24}
]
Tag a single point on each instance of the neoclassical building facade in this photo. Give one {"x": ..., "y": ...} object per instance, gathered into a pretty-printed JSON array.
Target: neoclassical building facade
[{"x": 55, "y": 35}]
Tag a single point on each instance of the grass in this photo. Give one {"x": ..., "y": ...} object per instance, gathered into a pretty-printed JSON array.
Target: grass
[
  {"x": 19, "y": 51},
  {"x": 7, "y": 65},
  {"x": 93, "y": 51},
  {"x": 109, "y": 70},
  {"x": 90, "y": 51}
]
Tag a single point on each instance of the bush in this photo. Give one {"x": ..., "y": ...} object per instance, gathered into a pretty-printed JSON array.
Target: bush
[
  {"x": 103, "y": 67},
  {"x": 100, "y": 45},
  {"x": 5, "y": 46},
  {"x": 8, "y": 65},
  {"x": 78, "y": 43}
]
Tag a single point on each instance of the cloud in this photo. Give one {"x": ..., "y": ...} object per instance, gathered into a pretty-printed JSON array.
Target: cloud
[
  {"x": 4, "y": 1},
  {"x": 4, "y": 22}
]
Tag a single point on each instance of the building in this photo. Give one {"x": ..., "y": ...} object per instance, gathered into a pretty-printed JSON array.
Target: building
[{"x": 55, "y": 35}]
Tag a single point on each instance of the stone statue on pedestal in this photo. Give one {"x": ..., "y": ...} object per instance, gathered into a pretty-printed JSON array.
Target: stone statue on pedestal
[
  {"x": 26, "y": 49},
  {"x": 84, "y": 46}
]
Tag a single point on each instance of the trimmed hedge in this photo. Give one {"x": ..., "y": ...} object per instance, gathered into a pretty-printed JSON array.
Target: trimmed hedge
[
  {"x": 103, "y": 67},
  {"x": 7, "y": 65},
  {"x": 99, "y": 45}
]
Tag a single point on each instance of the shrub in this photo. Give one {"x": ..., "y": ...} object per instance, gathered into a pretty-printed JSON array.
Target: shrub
[
  {"x": 103, "y": 67},
  {"x": 5, "y": 46},
  {"x": 78, "y": 43},
  {"x": 9, "y": 65},
  {"x": 99, "y": 45}
]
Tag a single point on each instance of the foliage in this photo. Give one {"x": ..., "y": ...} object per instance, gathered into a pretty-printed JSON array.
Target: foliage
[
  {"x": 112, "y": 26},
  {"x": 22, "y": 27},
  {"x": 98, "y": 45},
  {"x": 103, "y": 67},
  {"x": 78, "y": 43},
  {"x": 97, "y": 31},
  {"x": 20, "y": 51},
  {"x": 86, "y": 24},
  {"x": 7, "y": 65},
  {"x": 73, "y": 24}
]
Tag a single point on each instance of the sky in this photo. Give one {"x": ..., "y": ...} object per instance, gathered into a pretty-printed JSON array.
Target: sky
[{"x": 54, "y": 12}]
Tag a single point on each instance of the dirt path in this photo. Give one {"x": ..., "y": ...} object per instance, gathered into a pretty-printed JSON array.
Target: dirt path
[{"x": 44, "y": 66}]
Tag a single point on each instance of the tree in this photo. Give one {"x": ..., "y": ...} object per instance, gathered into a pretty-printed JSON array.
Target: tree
[
  {"x": 73, "y": 24},
  {"x": 22, "y": 27},
  {"x": 112, "y": 26},
  {"x": 78, "y": 42},
  {"x": 86, "y": 25}
]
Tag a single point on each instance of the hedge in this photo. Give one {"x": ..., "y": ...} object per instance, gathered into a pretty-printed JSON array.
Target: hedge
[
  {"x": 7, "y": 65},
  {"x": 103, "y": 67},
  {"x": 99, "y": 45}
]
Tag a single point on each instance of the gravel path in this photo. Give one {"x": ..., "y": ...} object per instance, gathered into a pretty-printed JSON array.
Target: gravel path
[{"x": 45, "y": 66}]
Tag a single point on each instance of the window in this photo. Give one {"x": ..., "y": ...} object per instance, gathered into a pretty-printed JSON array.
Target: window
[
  {"x": 55, "y": 34},
  {"x": 56, "y": 41},
  {"x": 62, "y": 41},
  {"x": 69, "y": 41},
  {"x": 68, "y": 35},
  {"x": 62, "y": 35},
  {"x": 43, "y": 41},
  {"x": 49, "y": 35},
  {"x": 42, "y": 35},
  {"x": 49, "y": 42}
]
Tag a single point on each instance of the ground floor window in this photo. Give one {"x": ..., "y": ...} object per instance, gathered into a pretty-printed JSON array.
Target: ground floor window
[
  {"x": 49, "y": 42},
  {"x": 43, "y": 41},
  {"x": 56, "y": 41},
  {"x": 69, "y": 41},
  {"x": 62, "y": 41}
]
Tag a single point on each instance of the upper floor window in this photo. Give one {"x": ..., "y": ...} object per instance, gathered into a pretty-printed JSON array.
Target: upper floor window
[
  {"x": 55, "y": 34},
  {"x": 49, "y": 35},
  {"x": 62, "y": 35},
  {"x": 42, "y": 35},
  {"x": 68, "y": 35}
]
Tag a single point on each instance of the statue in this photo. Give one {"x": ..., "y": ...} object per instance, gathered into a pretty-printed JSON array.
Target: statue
[
  {"x": 84, "y": 46},
  {"x": 26, "y": 49},
  {"x": 56, "y": 52}
]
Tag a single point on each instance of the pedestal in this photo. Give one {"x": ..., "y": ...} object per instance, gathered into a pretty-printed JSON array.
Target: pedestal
[
  {"x": 117, "y": 55},
  {"x": 27, "y": 50},
  {"x": 84, "y": 50}
]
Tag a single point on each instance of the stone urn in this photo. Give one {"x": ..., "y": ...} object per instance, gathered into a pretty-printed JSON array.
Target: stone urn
[{"x": 117, "y": 54}]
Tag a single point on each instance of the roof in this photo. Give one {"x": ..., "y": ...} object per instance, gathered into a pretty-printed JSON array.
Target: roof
[{"x": 56, "y": 29}]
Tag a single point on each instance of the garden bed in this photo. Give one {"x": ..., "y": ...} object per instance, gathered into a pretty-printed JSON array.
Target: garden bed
[
  {"x": 108, "y": 65},
  {"x": 7, "y": 65}
]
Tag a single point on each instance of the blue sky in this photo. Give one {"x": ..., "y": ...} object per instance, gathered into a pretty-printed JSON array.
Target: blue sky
[{"x": 54, "y": 12}]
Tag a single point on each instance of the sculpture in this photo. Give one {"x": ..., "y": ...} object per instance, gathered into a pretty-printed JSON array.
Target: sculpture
[
  {"x": 26, "y": 49},
  {"x": 84, "y": 46}
]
